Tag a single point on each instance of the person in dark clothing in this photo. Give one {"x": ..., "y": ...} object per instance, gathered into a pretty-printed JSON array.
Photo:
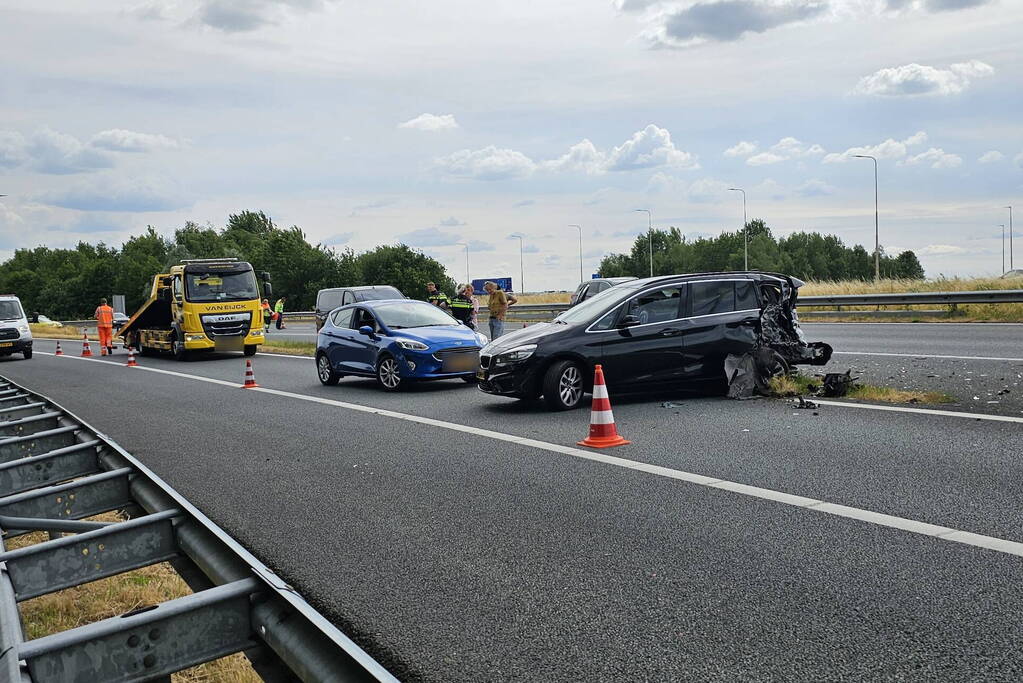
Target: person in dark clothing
[{"x": 462, "y": 307}]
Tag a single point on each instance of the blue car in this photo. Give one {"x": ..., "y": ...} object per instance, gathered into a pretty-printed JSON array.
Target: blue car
[{"x": 396, "y": 341}]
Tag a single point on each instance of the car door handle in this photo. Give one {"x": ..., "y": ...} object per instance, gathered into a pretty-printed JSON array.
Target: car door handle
[{"x": 669, "y": 332}]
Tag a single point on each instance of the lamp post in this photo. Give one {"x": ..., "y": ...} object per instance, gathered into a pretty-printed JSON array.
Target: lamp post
[
  {"x": 522, "y": 277},
  {"x": 877, "y": 242},
  {"x": 463, "y": 244},
  {"x": 650, "y": 237},
  {"x": 1003, "y": 248},
  {"x": 580, "y": 229},
  {"x": 745, "y": 229},
  {"x": 1011, "y": 266}
]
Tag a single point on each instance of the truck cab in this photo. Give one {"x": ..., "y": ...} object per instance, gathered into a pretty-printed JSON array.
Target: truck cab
[
  {"x": 200, "y": 305},
  {"x": 15, "y": 335}
]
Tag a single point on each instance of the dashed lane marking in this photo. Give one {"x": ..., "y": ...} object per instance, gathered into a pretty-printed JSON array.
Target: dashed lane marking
[{"x": 903, "y": 524}]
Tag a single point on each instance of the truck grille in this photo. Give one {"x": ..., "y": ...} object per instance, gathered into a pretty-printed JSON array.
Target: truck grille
[
  {"x": 227, "y": 325},
  {"x": 9, "y": 333}
]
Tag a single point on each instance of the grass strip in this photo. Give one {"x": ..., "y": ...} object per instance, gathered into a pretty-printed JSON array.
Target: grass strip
[{"x": 787, "y": 386}]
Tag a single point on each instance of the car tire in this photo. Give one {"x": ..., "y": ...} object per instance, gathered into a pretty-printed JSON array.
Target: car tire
[
  {"x": 250, "y": 349},
  {"x": 326, "y": 374},
  {"x": 27, "y": 353},
  {"x": 388, "y": 375},
  {"x": 563, "y": 386}
]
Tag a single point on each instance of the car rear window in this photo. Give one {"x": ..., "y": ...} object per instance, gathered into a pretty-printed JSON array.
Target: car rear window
[
  {"x": 328, "y": 299},
  {"x": 716, "y": 296}
]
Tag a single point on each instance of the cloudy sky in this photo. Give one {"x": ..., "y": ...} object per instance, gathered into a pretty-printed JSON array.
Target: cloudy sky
[{"x": 454, "y": 121}]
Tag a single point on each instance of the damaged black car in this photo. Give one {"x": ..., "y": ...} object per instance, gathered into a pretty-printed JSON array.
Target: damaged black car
[{"x": 656, "y": 334}]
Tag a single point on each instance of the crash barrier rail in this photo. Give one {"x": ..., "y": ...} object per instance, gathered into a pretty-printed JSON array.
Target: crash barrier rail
[
  {"x": 531, "y": 312},
  {"x": 56, "y": 470}
]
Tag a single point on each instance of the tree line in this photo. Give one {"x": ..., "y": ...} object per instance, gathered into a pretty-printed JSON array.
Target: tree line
[
  {"x": 805, "y": 255},
  {"x": 68, "y": 283}
]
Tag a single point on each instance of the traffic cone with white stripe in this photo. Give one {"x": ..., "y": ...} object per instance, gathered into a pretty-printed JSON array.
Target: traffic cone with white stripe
[
  {"x": 86, "y": 351},
  {"x": 250, "y": 378},
  {"x": 603, "y": 433},
  {"x": 131, "y": 359},
  {"x": 60, "y": 352}
]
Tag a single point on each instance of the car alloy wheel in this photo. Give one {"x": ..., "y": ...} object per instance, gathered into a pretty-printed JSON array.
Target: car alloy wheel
[
  {"x": 563, "y": 385},
  {"x": 570, "y": 386},
  {"x": 387, "y": 374},
  {"x": 325, "y": 372}
]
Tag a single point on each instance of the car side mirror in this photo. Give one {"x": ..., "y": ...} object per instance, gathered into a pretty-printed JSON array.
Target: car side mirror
[
  {"x": 628, "y": 321},
  {"x": 367, "y": 330}
]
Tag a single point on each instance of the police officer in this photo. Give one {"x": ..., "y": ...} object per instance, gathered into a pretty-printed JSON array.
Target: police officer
[
  {"x": 462, "y": 306},
  {"x": 437, "y": 297}
]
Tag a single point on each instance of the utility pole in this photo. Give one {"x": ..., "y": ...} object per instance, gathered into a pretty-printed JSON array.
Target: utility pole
[
  {"x": 1003, "y": 248},
  {"x": 650, "y": 237},
  {"x": 522, "y": 277},
  {"x": 877, "y": 242},
  {"x": 580, "y": 229},
  {"x": 1011, "y": 266},
  {"x": 745, "y": 229},
  {"x": 467, "y": 278}
]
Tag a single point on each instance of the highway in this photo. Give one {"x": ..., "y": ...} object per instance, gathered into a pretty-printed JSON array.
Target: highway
[{"x": 462, "y": 537}]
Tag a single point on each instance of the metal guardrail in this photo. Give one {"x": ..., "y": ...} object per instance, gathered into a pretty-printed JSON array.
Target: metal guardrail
[{"x": 56, "y": 470}]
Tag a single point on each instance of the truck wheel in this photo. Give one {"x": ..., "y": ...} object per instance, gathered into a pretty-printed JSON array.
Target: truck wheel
[
  {"x": 250, "y": 349},
  {"x": 563, "y": 386},
  {"x": 27, "y": 353},
  {"x": 178, "y": 349}
]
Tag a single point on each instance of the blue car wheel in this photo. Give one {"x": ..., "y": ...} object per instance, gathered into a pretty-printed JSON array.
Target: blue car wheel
[{"x": 388, "y": 375}]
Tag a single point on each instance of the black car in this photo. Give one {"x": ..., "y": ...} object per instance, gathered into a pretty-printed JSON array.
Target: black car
[
  {"x": 329, "y": 299},
  {"x": 650, "y": 333},
  {"x": 591, "y": 288}
]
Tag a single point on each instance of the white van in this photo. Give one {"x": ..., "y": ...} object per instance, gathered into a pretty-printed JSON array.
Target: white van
[{"x": 15, "y": 336}]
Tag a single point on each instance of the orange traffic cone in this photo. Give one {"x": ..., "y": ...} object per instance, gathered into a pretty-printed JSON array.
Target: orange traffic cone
[
  {"x": 250, "y": 379},
  {"x": 131, "y": 359},
  {"x": 86, "y": 351},
  {"x": 603, "y": 433},
  {"x": 60, "y": 352}
]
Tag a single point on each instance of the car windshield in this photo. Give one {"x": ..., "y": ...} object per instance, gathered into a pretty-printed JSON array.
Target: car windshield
[
  {"x": 220, "y": 286},
  {"x": 400, "y": 315},
  {"x": 378, "y": 293},
  {"x": 10, "y": 310},
  {"x": 597, "y": 305}
]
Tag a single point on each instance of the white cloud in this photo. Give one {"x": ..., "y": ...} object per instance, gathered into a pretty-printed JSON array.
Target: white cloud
[
  {"x": 651, "y": 147},
  {"x": 451, "y": 222},
  {"x": 429, "y": 237},
  {"x": 431, "y": 122},
  {"x": 918, "y": 79},
  {"x": 120, "y": 140},
  {"x": 727, "y": 20},
  {"x": 784, "y": 150},
  {"x": 489, "y": 163},
  {"x": 706, "y": 190},
  {"x": 239, "y": 16},
  {"x": 940, "y": 250},
  {"x": 889, "y": 149},
  {"x": 814, "y": 188},
  {"x": 137, "y": 195},
  {"x": 991, "y": 157},
  {"x": 936, "y": 157},
  {"x": 741, "y": 149},
  {"x": 1018, "y": 160}
]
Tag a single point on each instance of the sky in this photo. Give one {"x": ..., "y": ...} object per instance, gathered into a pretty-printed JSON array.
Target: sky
[{"x": 442, "y": 122}]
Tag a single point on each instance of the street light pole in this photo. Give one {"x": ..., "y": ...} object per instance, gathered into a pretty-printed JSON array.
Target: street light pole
[
  {"x": 522, "y": 277},
  {"x": 1003, "y": 248},
  {"x": 467, "y": 278},
  {"x": 877, "y": 242},
  {"x": 745, "y": 229},
  {"x": 580, "y": 229},
  {"x": 650, "y": 237},
  {"x": 1011, "y": 266}
]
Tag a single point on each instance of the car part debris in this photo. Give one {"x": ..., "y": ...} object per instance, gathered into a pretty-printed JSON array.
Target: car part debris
[
  {"x": 837, "y": 384},
  {"x": 803, "y": 404}
]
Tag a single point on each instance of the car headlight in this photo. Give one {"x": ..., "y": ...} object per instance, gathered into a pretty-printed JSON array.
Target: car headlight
[
  {"x": 516, "y": 355},
  {"x": 411, "y": 344},
  {"x": 23, "y": 329},
  {"x": 482, "y": 339}
]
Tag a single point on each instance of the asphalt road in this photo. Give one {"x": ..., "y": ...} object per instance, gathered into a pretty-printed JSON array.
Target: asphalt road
[{"x": 463, "y": 556}]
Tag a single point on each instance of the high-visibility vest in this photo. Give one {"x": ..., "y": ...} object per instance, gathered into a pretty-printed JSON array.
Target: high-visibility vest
[{"x": 105, "y": 316}]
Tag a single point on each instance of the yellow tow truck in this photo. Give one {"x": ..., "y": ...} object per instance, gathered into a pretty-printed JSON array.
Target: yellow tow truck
[{"x": 200, "y": 305}]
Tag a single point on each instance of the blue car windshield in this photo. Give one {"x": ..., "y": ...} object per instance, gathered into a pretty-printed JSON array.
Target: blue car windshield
[{"x": 402, "y": 314}]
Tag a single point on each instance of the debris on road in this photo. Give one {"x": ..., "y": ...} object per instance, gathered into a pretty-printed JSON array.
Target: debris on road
[
  {"x": 837, "y": 384},
  {"x": 802, "y": 404}
]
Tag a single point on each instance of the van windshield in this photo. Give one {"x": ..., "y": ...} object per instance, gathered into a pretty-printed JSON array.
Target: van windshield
[
  {"x": 11, "y": 310},
  {"x": 203, "y": 287}
]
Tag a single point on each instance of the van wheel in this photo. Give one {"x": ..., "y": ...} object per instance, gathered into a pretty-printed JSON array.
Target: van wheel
[
  {"x": 388, "y": 375},
  {"x": 563, "y": 386},
  {"x": 250, "y": 349},
  {"x": 325, "y": 372},
  {"x": 27, "y": 353}
]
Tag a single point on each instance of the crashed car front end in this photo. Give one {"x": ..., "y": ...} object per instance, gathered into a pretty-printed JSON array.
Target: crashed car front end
[{"x": 780, "y": 330}]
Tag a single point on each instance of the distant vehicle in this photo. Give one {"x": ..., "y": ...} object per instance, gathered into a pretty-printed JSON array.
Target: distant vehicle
[
  {"x": 591, "y": 288},
  {"x": 1013, "y": 273},
  {"x": 397, "y": 342},
  {"x": 200, "y": 305},
  {"x": 15, "y": 335},
  {"x": 41, "y": 319},
  {"x": 120, "y": 319},
  {"x": 650, "y": 333},
  {"x": 329, "y": 299}
]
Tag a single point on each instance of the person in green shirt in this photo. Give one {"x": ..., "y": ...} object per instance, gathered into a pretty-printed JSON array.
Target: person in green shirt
[{"x": 279, "y": 310}]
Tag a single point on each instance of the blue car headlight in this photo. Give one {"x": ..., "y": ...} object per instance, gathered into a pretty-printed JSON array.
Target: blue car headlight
[{"x": 411, "y": 344}]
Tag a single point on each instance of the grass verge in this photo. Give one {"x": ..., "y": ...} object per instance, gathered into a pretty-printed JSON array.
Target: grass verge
[
  {"x": 117, "y": 595},
  {"x": 291, "y": 348},
  {"x": 787, "y": 386}
]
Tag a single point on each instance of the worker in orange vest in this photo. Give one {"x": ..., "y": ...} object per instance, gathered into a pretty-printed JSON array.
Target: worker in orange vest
[{"x": 105, "y": 324}]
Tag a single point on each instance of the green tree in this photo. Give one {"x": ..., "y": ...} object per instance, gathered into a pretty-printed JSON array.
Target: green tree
[{"x": 405, "y": 268}]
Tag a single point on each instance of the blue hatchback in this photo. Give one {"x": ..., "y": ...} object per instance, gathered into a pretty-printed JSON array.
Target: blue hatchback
[{"x": 395, "y": 341}]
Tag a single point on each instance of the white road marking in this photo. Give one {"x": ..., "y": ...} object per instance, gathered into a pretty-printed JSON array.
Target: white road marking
[
  {"x": 923, "y": 355},
  {"x": 285, "y": 355},
  {"x": 910, "y": 525},
  {"x": 923, "y": 411}
]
